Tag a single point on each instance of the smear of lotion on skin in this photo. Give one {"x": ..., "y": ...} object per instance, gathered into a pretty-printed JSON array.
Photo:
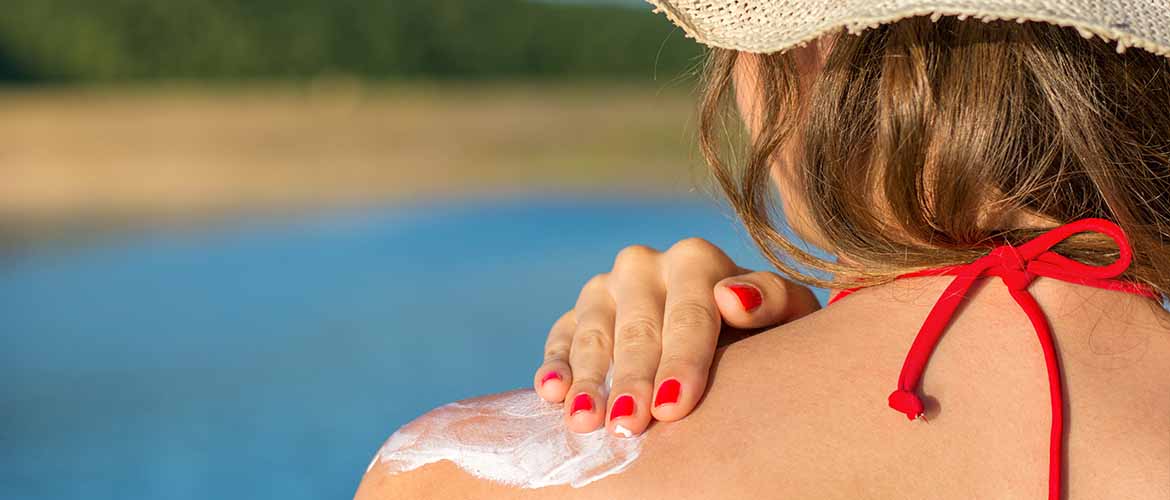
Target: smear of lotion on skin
[{"x": 515, "y": 438}]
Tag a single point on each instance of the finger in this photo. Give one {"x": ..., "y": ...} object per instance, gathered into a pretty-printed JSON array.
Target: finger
[
  {"x": 553, "y": 377},
  {"x": 690, "y": 331},
  {"x": 589, "y": 356},
  {"x": 639, "y": 295},
  {"x": 759, "y": 299}
]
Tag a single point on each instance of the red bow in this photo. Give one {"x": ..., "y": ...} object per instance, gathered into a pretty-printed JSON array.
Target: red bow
[{"x": 1017, "y": 267}]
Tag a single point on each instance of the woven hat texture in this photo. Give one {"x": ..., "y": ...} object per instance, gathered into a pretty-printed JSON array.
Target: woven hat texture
[{"x": 765, "y": 26}]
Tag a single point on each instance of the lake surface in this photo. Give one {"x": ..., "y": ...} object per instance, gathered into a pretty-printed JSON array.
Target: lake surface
[{"x": 271, "y": 358}]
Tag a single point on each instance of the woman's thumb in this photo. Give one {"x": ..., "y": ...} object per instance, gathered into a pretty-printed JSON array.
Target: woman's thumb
[{"x": 760, "y": 299}]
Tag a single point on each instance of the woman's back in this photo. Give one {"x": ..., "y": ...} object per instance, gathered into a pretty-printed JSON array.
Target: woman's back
[{"x": 801, "y": 411}]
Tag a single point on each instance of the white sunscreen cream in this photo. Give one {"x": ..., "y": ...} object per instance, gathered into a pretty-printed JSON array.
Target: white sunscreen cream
[{"x": 515, "y": 438}]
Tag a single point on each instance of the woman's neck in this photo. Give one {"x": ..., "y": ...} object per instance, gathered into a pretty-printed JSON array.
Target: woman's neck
[{"x": 1099, "y": 327}]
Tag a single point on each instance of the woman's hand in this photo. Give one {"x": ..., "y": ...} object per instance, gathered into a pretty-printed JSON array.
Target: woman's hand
[{"x": 657, "y": 316}]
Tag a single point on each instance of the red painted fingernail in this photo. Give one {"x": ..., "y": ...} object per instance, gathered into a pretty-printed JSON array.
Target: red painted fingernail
[
  {"x": 622, "y": 407},
  {"x": 582, "y": 402},
  {"x": 667, "y": 393},
  {"x": 748, "y": 295},
  {"x": 550, "y": 376}
]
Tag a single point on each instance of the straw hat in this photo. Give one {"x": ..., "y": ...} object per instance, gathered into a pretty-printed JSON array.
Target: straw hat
[{"x": 775, "y": 25}]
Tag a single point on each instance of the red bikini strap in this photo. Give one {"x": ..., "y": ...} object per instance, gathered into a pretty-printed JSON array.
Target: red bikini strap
[{"x": 1017, "y": 267}]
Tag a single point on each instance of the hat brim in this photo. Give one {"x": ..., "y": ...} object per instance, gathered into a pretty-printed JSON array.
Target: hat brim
[{"x": 775, "y": 26}]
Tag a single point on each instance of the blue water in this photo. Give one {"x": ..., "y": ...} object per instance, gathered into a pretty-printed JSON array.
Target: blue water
[{"x": 270, "y": 358}]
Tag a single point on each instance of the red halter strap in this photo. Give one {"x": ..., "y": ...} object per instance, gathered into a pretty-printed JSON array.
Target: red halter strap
[{"x": 1017, "y": 267}]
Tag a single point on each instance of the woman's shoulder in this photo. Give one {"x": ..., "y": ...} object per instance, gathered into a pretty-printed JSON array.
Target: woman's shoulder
[
  {"x": 801, "y": 411},
  {"x": 776, "y": 402}
]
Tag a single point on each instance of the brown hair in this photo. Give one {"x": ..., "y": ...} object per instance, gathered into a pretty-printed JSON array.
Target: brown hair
[{"x": 922, "y": 143}]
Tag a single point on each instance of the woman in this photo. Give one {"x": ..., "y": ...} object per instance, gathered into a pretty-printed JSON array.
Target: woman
[{"x": 971, "y": 158}]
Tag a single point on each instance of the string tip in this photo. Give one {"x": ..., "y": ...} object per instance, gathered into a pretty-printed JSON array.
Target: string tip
[{"x": 907, "y": 402}]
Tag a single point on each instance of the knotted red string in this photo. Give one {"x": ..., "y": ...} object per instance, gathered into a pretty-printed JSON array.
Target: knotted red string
[{"x": 1017, "y": 267}]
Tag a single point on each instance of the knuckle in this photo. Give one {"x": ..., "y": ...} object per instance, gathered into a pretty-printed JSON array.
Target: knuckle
[
  {"x": 556, "y": 354},
  {"x": 570, "y": 316},
  {"x": 598, "y": 281},
  {"x": 775, "y": 281},
  {"x": 562, "y": 325},
  {"x": 631, "y": 380},
  {"x": 591, "y": 379},
  {"x": 678, "y": 362},
  {"x": 640, "y": 333},
  {"x": 694, "y": 245},
  {"x": 591, "y": 340},
  {"x": 632, "y": 255},
  {"x": 691, "y": 314}
]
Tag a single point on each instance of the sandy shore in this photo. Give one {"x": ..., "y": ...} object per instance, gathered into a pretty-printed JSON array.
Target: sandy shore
[{"x": 74, "y": 160}]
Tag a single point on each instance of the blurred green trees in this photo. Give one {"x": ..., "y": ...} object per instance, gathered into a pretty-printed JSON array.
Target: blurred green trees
[{"x": 88, "y": 40}]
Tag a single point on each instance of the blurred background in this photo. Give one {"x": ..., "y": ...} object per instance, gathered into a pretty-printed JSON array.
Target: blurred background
[{"x": 242, "y": 241}]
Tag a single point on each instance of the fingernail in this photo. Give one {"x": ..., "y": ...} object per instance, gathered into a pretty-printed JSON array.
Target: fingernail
[
  {"x": 582, "y": 402},
  {"x": 550, "y": 376},
  {"x": 622, "y": 407},
  {"x": 667, "y": 393},
  {"x": 748, "y": 296}
]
